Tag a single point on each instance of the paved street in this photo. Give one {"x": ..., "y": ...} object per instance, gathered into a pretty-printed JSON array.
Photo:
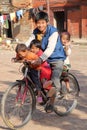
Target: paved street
[{"x": 77, "y": 120}]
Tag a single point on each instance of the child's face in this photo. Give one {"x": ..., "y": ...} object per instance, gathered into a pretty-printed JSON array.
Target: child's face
[
  {"x": 22, "y": 54},
  {"x": 34, "y": 49},
  {"x": 42, "y": 25},
  {"x": 64, "y": 40}
]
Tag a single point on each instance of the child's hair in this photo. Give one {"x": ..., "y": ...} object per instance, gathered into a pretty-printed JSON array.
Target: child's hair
[
  {"x": 41, "y": 16},
  {"x": 65, "y": 33},
  {"x": 36, "y": 43},
  {"x": 21, "y": 47}
]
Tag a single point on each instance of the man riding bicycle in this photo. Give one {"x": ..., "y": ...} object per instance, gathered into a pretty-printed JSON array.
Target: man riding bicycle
[{"x": 52, "y": 47}]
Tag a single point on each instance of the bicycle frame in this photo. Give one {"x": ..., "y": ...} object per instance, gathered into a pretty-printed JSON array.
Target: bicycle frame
[
  {"x": 26, "y": 102},
  {"x": 19, "y": 94}
]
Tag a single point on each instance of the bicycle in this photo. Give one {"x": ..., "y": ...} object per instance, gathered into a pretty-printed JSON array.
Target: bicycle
[{"x": 19, "y": 100}]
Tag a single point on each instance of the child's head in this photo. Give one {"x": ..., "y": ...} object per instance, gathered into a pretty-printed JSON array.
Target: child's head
[
  {"x": 65, "y": 37},
  {"x": 21, "y": 50},
  {"x": 41, "y": 20},
  {"x": 35, "y": 46}
]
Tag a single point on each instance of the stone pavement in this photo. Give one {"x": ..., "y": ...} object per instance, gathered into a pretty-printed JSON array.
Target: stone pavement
[
  {"x": 82, "y": 41},
  {"x": 77, "y": 120}
]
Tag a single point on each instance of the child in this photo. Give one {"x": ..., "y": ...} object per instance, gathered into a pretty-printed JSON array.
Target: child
[
  {"x": 65, "y": 38},
  {"x": 31, "y": 55},
  {"x": 45, "y": 70}
]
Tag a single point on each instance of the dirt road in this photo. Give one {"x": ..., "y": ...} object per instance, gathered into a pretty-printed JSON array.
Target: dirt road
[{"x": 77, "y": 120}]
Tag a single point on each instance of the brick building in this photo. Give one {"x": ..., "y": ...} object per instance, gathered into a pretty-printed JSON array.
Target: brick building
[
  {"x": 70, "y": 15},
  {"x": 23, "y": 27},
  {"x": 67, "y": 15}
]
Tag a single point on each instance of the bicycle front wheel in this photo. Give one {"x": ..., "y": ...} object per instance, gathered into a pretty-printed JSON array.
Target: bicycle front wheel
[
  {"x": 17, "y": 107},
  {"x": 68, "y": 99}
]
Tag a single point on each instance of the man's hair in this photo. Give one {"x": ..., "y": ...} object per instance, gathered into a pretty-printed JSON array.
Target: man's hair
[
  {"x": 41, "y": 16},
  {"x": 35, "y": 42},
  {"x": 20, "y": 47},
  {"x": 65, "y": 33}
]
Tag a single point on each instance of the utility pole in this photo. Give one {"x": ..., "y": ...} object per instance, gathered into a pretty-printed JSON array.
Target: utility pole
[{"x": 48, "y": 8}]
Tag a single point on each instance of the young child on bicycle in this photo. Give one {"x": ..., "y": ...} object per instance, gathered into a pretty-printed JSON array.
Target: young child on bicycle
[
  {"x": 65, "y": 38},
  {"x": 45, "y": 72}
]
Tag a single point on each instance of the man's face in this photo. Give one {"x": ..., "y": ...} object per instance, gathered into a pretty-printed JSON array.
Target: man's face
[{"x": 42, "y": 25}]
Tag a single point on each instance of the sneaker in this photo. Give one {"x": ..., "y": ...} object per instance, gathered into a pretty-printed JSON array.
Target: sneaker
[{"x": 39, "y": 99}]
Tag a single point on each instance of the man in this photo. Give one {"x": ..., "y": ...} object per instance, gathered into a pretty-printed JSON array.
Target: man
[{"x": 52, "y": 48}]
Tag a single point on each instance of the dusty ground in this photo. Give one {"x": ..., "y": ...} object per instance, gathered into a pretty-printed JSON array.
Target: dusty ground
[{"x": 77, "y": 120}]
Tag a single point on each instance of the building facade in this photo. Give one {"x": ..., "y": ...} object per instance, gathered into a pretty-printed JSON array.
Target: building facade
[
  {"x": 21, "y": 28},
  {"x": 69, "y": 15}
]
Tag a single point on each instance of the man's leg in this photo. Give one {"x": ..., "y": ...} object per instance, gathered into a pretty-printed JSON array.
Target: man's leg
[{"x": 57, "y": 68}]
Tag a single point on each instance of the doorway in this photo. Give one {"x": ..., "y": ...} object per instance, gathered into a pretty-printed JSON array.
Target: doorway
[
  {"x": 60, "y": 19},
  {"x": 9, "y": 35},
  {"x": 7, "y": 29}
]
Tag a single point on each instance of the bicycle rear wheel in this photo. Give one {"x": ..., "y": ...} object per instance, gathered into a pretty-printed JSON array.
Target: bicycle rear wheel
[
  {"x": 68, "y": 100},
  {"x": 15, "y": 112},
  {"x": 75, "y": 88}
]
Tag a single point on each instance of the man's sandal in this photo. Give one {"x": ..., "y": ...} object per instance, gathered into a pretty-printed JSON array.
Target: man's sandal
[{"x": 49, "y": 108}]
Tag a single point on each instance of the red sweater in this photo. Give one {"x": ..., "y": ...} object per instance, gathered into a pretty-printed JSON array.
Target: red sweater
[{"x": 45, "y": 70}]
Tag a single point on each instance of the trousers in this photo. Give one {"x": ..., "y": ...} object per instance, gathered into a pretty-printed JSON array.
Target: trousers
[{"x": 57, "y": 68}]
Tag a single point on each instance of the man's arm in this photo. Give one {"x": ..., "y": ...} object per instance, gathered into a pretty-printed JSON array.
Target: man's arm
[
  {"x": 49, "y": 50},
  {"x": 32, "y": 37}
]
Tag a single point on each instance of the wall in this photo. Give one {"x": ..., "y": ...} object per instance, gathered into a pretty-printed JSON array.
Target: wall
[
  {"x": 84, "y": 21},
  {"x": 74, "y": 23},
  {"x": 21, "y": 3},
  {"x": 77, "y": 22},
  {"x": 23, "y": 29}
]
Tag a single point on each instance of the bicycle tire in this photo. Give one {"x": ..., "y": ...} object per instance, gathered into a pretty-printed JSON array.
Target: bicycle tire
[
  {"x": 13, "y": 114},
  {"x": 77, "y": 87},
  {"x": 68, "y": 101}
]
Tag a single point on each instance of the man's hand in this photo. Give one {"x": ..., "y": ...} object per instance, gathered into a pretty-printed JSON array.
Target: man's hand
[{"x": 36, "y": 63}]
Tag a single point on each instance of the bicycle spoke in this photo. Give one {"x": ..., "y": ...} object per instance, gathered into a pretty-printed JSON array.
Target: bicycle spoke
[
  {"x": 17, "y": 108},
  {"x": 67, "y": 101}
]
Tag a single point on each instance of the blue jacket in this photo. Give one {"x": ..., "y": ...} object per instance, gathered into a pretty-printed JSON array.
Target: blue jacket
[{"x": 58, "y": 53}]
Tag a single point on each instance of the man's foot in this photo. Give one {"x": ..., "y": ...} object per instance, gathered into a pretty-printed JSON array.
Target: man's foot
[{"x": 49, "y": 108}]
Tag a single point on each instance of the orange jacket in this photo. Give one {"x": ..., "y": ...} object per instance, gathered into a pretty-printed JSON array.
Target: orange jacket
[{"x": 29, "y": 57}]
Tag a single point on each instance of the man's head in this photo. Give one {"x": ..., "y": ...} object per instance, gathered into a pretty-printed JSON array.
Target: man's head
[
  {"x": 41, "y": 20},
  {"x": 41, "y": 16},
  {"x": 21, "y": 50}
]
